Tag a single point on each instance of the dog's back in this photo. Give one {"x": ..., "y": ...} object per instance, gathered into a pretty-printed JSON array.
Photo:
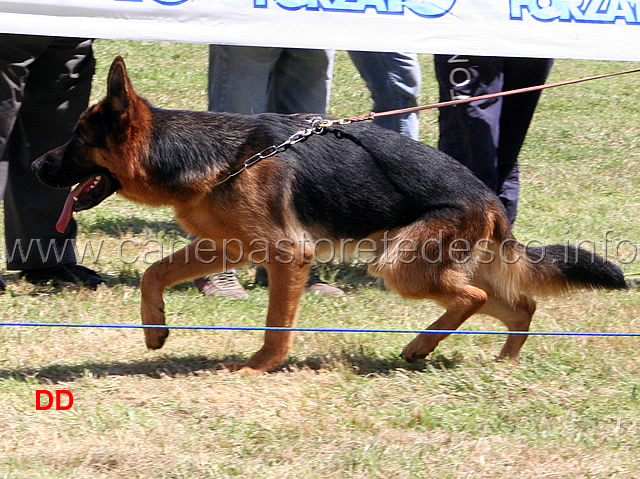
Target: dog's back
[{"x": 357, "y": 179}]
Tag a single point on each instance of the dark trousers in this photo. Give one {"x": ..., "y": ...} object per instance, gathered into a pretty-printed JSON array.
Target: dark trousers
[
  {"x": 45, "y": 84},
  {"x": 486, "y": 136}
]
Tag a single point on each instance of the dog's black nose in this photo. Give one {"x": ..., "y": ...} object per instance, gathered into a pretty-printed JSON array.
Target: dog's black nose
[
  {"x": 37, "y": 165},
  {"x": 41, "y": 167}
]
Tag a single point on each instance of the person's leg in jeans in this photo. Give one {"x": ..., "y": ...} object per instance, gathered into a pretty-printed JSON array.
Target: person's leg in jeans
[
  {"x": 395, "y": 81},
  {"x": 239, "y": 82},
  {"x": 240, "y": 78},
  {"x": 251, "y": 80},
  {"x": 301, "y": 81}
]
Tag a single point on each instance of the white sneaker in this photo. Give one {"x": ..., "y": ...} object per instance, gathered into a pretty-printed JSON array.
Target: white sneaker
[{"x": 221, "y": 284}]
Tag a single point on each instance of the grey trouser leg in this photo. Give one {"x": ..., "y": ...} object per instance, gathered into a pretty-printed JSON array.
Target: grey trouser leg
[
  {"x": 252, "y": 80},
  {"x": 394, "y": 80}
]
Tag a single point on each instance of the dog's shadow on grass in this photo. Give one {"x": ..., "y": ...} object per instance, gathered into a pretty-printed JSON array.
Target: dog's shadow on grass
[
  {"x": 174, "y": 366},
  {"x": 364, "y": 364}
]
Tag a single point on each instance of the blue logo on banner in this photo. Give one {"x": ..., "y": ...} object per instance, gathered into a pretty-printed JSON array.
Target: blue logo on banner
[
  {"x": 161, "y": 2},
  {"x": 423, "y": 8},
  {"x": 579, "y": 11}
]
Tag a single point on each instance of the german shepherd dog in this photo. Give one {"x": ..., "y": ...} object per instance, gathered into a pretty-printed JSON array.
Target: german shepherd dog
[{"x": 432, "y": 230}]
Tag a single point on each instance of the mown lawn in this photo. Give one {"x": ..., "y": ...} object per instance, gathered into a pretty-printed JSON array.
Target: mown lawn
[{"x": 344, "y": 405}]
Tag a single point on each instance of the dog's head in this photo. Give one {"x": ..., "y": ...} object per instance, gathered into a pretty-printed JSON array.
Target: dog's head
[{"x": 105, "y": 140}]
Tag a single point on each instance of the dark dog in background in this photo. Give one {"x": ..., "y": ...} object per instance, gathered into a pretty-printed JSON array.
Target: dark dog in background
[{"x": 432, "y": 229}]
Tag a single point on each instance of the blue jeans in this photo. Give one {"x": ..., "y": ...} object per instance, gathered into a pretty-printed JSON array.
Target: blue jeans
[
  {"x": 250, "y": 80},
  {"x": 394, "y": 80}
]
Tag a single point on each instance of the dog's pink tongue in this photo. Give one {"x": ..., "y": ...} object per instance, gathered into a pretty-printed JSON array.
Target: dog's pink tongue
[{"x": 67, "y": 209}]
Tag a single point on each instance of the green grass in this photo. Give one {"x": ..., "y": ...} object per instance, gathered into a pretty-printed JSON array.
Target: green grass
[{"x": 343, "y": 405}]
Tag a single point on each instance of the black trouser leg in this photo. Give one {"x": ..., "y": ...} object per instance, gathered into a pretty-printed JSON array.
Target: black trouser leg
[{"x": 44, "y": 88}]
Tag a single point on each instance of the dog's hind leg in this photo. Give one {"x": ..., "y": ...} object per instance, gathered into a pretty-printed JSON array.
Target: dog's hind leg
[
  {"x": 424, "y": 272},
  {"x": 460, "y": 305},
  {"x": 515, "y": 318}
]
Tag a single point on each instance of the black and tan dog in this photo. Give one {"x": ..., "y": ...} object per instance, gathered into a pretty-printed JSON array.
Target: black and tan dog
[{"x": 431, "y": 229}]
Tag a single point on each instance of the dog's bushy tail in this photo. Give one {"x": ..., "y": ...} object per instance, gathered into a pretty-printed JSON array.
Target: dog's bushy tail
[
  {"x": 577, "y": 267},
  {"x": 549, "y": 270}
]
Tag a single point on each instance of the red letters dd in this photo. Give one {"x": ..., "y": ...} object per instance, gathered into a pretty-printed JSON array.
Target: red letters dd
[{"x": 49, "y": 403}]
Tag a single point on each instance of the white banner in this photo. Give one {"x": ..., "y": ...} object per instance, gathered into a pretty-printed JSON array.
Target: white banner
[{"x": 588, "y": 29}]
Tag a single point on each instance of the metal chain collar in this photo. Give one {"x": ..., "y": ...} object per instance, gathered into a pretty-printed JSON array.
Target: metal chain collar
[{"x": 316, "y": 128}]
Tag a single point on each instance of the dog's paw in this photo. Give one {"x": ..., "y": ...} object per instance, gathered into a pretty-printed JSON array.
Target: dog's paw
[
  {"x": 412, "y": 357},
  {"x": 506, "y": 359},
  {"x": 417, "y": 349},
  {"x": 154, "y": 337},
  {"x": 249, "y": 371}
]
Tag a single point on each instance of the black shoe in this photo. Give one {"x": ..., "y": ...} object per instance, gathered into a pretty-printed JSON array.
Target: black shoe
[
  {"x": 64, "y": 274},
  {"x": 262, "y": 279},
  {"x": 1, "y": 285}
]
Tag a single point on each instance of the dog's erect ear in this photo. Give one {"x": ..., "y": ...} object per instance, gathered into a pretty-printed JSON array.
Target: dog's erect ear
[{"x": 119, "y": 88}]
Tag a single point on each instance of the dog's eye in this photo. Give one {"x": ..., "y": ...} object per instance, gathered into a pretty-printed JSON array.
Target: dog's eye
[{"x": 81, "y": 140}]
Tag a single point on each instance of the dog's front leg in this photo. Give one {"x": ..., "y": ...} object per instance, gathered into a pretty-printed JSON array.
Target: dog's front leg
[
  {"x": 286, "y": 285},
  {"x": 188, "y": 263}
]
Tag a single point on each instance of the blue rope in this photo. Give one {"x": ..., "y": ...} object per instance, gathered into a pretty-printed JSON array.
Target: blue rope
[{"x": 321, "y": 330}]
